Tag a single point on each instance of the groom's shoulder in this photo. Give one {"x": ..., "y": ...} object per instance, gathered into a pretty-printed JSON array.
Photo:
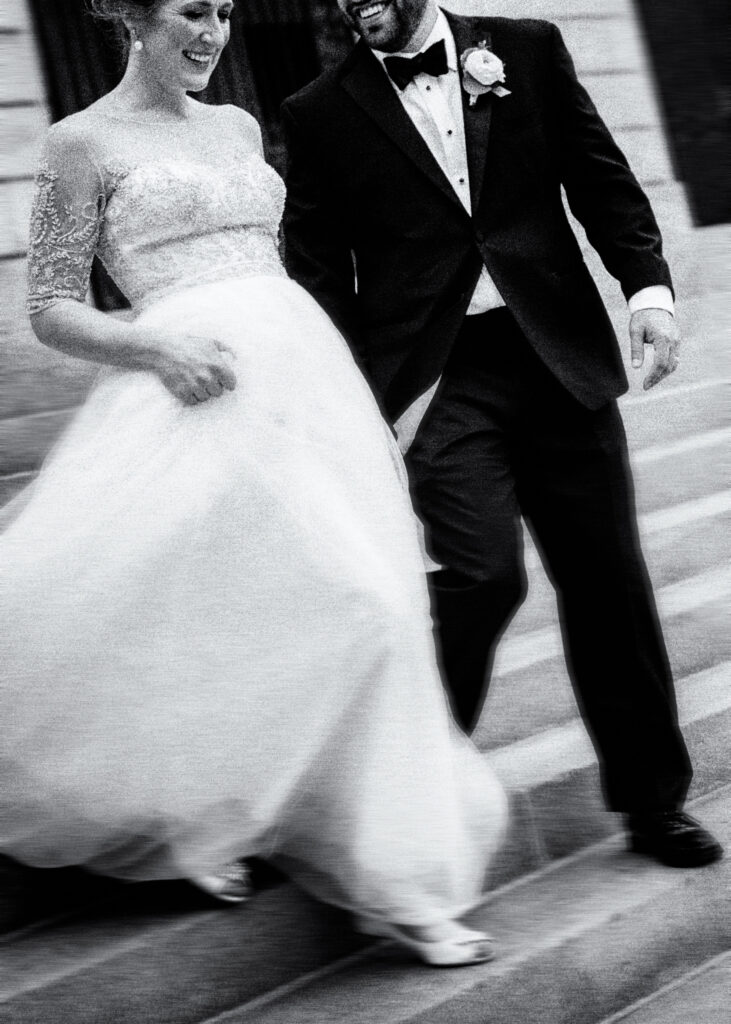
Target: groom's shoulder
[
  {"x": 526, "y": 41},
  {"x": 528, "y": 29},
  {"x": 325, "y": 86}
]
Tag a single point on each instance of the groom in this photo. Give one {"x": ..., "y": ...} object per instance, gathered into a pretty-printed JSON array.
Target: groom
[{"x": 425, "y": 215}]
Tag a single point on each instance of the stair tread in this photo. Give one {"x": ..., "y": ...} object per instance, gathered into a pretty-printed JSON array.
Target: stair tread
[
  {"x": 702, "y": 997},
  {"x": 127, "y": 959},
  {"x": 530, "y": 689},
  {"x": 562, "y": 748},
  {"x": 597, "y": 926},
  {"x": 125, "y": 936}
]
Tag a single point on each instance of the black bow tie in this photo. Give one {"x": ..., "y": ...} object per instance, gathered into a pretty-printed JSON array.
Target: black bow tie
[{"x": 432, "y": 62}]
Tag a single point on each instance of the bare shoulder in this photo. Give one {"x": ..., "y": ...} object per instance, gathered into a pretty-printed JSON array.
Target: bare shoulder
[
  {"x": 75, "y": 128},
  {"x": 242, "y": 120},
  {"x": 72, "y": 137}
]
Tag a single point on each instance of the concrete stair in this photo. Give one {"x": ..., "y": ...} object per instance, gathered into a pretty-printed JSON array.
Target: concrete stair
[
  {"x": 701, "y": 995},
  {"x": 150, "y": 955},
  {"x": 578, "y": 940}
]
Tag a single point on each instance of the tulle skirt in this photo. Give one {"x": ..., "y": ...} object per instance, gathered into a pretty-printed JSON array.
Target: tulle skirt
[{"x": 216, "y": 638}]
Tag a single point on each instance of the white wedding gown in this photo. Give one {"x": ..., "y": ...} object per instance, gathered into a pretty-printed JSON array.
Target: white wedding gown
[{"x": 216, "y": 636}]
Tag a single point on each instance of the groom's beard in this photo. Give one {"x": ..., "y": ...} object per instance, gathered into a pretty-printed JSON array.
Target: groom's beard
[{"x": 391, "y": 30}]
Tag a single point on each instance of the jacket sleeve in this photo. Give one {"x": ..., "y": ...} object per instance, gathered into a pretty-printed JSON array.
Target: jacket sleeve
[
  {"x": 317, "y": 250},
  {"x": 602, "y": 191}
]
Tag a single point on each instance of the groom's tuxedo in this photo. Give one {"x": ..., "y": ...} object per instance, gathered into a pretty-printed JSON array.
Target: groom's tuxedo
[
  {"x": 524, "y": 420},
  {"x": 361, "y": 178}
]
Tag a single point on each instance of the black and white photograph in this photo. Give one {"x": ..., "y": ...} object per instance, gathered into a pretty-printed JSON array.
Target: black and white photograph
[{"x": 365, "y": 512}]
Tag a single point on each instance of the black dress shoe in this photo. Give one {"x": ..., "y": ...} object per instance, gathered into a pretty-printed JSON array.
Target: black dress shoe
[{"x": 673, "y": 838}]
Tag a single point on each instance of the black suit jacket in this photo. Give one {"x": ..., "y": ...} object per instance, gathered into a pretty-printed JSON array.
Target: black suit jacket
[{"x": 375, "y": 232}]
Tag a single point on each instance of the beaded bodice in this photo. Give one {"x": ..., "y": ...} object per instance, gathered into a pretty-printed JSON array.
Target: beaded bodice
[{"x": 162, "y": 205}]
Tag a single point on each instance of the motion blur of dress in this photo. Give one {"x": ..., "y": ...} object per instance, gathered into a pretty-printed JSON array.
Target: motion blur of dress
[{"x": 216, "y": 634}]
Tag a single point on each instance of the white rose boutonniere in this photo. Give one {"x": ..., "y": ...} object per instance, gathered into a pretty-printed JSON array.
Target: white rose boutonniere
[{"x": 482, "y": 72}]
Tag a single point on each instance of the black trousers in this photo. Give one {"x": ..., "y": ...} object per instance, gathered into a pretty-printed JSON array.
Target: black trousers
[{"x": 503, "y": 438}]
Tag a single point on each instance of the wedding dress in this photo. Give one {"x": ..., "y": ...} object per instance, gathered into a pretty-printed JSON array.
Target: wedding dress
[{"x": 216, "y": 638}]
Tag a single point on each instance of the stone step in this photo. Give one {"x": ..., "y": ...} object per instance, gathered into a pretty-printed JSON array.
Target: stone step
[
  {"x": 667, "y": 198},
  {"x": 605, "y": 45},
  {"x": 553, "y": 776},
  {"x": 145, "y": 955},
  {"x": 710, "y": 245},
  {"x": 25, "y": 440},
  {"x": 33, "y": 377},
  {"x": 552, "y": 9},
  {"x": 530, "y": 688},
  {"x": 575, "y": 943},
  {"x": 702, "y": 996},
  {"x": 524, "y": 650},
  {"x": 679, "y": 542},
  {"x": 10, "y": 488},
  {"x": 16, "y": 198},
  {"x": 21, "y": 133},
  {"x": 22, "y": 80},
  {"x": 646, "y": 152},
  {"x": 14, "y": 16},
  {"x": 677, "y": 409},
  {"x": 44, "y": 388}
]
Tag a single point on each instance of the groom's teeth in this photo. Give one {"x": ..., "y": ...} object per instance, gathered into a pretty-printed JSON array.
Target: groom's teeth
[{"x": 371, "y": 11}]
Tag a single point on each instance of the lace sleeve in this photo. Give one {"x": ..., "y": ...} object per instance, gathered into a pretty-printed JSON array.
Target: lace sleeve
[{"x": 68, "y": 210}]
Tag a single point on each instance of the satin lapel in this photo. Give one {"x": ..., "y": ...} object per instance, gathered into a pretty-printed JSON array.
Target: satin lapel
[
  {"x": 369, "y": 86},
  {"x": 468, "y": 32}
]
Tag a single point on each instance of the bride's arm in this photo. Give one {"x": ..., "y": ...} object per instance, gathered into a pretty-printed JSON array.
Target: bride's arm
[
  {"x": 68, "y": 212},
  {"x": 79, "y": 330},
  {"x": 192, "y": 367}
]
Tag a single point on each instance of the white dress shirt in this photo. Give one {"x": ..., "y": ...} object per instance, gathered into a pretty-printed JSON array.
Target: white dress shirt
[{"x": 434, "y": 104}]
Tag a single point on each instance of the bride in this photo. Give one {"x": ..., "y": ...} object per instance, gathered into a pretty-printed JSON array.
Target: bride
[{"x": 217, "y": 637}]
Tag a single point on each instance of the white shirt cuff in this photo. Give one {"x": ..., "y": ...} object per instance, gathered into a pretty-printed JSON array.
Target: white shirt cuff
[{"x": 657, "y": 296}]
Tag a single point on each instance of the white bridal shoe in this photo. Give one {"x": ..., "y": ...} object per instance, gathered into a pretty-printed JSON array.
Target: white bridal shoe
[
  {"x": 232, "y": 884},
  {"x": 447, "y": 944}
]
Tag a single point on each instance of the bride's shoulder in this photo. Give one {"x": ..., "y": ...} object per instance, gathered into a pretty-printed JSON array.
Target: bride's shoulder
[
  {"x": 72, "y": 136},
  {"x": 236, "y": 113},
  {"x": 241, "y": 120},
  {"x": 74, "y": 126}
]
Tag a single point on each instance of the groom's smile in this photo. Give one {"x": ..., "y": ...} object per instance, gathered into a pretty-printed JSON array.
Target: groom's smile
[
  {"x": 370, "y": 11},
  {"x": 384, "y": 24},
  {"x": 369, "y": 17}
]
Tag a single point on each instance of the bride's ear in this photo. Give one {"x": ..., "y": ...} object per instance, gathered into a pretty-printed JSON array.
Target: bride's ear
[
  {"x": 131, "y": 26},
  {"x": 133, "y": 34}
]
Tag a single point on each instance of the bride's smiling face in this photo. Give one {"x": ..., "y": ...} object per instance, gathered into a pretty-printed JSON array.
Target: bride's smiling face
[{"x": 182, "y": 40}]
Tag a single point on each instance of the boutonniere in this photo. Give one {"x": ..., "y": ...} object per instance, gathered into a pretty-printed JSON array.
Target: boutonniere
[{"x": 482, "y": 72}]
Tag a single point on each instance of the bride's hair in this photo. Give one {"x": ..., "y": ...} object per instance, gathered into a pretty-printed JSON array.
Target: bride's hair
[{"x": 117, "y": 11}]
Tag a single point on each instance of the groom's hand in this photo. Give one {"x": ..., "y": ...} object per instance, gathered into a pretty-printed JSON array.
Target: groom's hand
[{"x": 658, "y": 328}]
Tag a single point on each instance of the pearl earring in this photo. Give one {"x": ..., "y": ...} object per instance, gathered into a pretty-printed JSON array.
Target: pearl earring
[{"x": 138, "y": 45}]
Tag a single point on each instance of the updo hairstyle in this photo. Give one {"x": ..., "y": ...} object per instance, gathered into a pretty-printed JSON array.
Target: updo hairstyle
[{"x": 116, "y": 11}]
